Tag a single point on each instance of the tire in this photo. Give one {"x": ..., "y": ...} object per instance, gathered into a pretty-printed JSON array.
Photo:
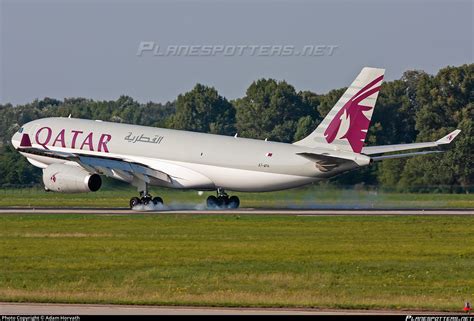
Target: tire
[
  {"x": 157, "y": 200},
  {"x": 234, "y": 202},
  {"x": 211, "y": 202},
  {"x": 222, "y": 201},
  {"x": 134, "y": 201}
]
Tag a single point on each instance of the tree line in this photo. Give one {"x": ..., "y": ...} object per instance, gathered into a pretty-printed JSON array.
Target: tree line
[{"x": 417, "y": 107}]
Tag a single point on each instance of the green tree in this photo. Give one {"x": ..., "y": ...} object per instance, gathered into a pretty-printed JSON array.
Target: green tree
[
  {"x": 417, "y": 107},
  {"x": 203, "y": 110},
  {"x": 393, "y": 122},
  {"x": 328, "y": 101},
  {"x": 445, "y": 104},
  {"x": 272, "y": 110},
  {"x": 307, "y": 124},
  {"x": 15, "y": 169}
]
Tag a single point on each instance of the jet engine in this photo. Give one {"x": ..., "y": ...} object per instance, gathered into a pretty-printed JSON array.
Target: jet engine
[{"x": 70, "y": 179}]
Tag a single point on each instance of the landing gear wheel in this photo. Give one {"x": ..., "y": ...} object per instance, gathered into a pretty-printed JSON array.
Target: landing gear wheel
[
  {"x": 233, "y": 202},
  {"x": 146, "y": 200},
  {"x": 157, "y": 200},
  {"x": 222, "y": 201},
  {"x": 222, "y": 198},
  {"x": 211, "y": 202},
  {"x": 134, "y": 201}
]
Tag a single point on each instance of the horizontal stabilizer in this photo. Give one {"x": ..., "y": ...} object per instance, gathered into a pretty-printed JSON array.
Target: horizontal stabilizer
[{"x": 324, "y": 163}]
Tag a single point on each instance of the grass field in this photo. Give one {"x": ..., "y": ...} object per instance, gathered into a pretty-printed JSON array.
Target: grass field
[
  {"x": 415, "y": 262},
  {"x": 308, "y": 197}
]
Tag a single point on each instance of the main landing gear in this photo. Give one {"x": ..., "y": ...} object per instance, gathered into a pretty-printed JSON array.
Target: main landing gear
[
  {"x": 222, "y": 200},
  {"x": 145, "y": 199}
]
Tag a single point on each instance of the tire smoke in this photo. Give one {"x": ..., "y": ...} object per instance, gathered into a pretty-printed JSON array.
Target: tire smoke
[{"x": 150, "y": 207}]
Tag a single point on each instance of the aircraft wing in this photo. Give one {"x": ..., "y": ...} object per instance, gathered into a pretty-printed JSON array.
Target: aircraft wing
[
  {"x": 117, "y": 168},
  {"x": 371, "y": 150},
  {"x": 382, "y": 157}
]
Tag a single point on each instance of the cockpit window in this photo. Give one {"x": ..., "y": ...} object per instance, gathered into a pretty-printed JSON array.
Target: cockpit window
[{"x": 20, "y": 130}]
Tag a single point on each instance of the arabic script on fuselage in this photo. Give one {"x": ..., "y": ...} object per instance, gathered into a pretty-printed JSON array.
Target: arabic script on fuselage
[{"x": 131, "y": 138}]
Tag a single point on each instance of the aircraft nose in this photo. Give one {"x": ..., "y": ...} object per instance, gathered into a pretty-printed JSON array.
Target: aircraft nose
[
  {"x": 21, "y": 138},
  {"x": 16, "y": 140}
]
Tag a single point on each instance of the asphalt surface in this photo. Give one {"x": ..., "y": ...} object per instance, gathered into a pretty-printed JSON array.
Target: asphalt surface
[
  {"x": 102, "y": 309},
  {"x": 240, "y": 211}
]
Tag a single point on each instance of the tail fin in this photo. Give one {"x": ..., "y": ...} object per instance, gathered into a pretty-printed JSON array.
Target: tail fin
[{"x": 346, "y": 125}]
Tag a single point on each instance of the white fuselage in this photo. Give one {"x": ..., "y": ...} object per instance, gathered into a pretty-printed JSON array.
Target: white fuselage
[{"x": 193, "y": 160}]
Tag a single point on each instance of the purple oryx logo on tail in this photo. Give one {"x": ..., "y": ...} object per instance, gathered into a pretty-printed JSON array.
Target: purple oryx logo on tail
[{"x": 350, "y": 122}]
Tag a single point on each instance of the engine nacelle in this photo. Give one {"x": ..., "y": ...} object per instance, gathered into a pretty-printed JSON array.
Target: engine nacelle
[{"x": 70, "y": 179}]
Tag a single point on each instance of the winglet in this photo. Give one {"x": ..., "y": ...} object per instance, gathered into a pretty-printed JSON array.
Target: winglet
[{"x": 449, "y": 137}]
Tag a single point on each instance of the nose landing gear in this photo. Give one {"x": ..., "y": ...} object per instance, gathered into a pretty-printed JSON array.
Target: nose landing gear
[{"x": 222, "y": 200}]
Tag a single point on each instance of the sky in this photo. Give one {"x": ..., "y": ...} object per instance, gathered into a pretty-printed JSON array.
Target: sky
[{"x": 90, "y": 49}]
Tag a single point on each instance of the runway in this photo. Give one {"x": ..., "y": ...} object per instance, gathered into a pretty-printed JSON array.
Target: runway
[
  {"x": 241, "y": 211},
  {"x": 109, "y": 309}
]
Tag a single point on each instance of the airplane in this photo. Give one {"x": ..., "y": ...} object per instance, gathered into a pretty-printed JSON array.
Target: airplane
[{"x": 75, "y": 153}]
